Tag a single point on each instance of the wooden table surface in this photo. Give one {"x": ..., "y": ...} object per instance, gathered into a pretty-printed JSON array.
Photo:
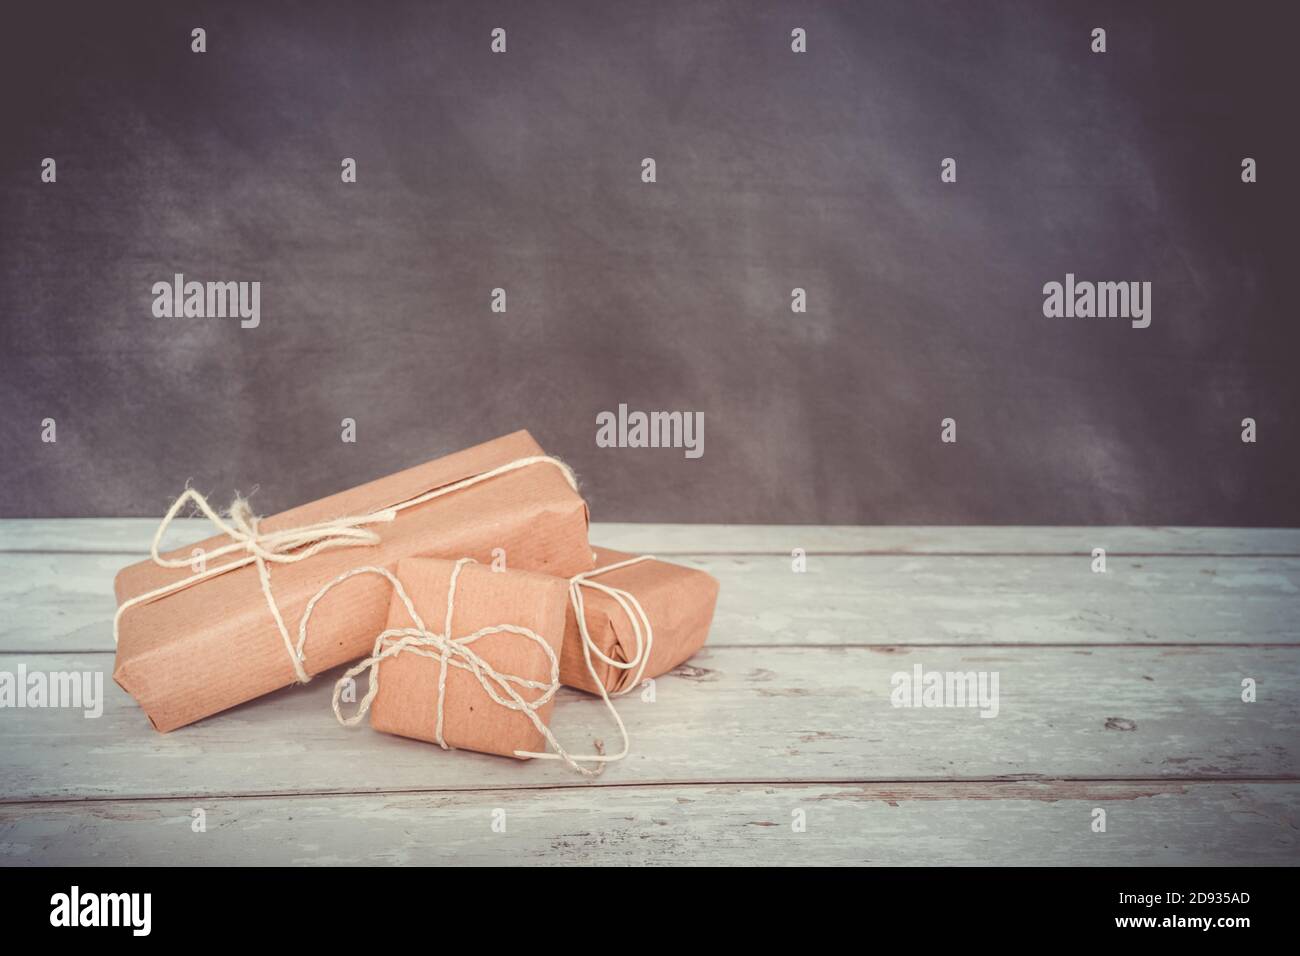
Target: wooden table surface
[{"x": 1119, "y": 691}]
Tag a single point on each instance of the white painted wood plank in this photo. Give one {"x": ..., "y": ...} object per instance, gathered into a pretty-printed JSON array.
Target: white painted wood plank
[
  {"x": 909, "y": 825},
  {"x": 131, "y": 536},
  {"x": 731, "y": 715},
  {"x": 64, "y": 602},
  {"x": 954, "y": 539}
]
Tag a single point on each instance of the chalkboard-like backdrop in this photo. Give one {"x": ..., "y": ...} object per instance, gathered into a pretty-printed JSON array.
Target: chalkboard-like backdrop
[{"x": 774, "y": 170}]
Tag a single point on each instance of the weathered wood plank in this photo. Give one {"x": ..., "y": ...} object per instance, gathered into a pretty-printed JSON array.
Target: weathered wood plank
[
  {"x": 782, "y": 715},
  {"x": 899, "y": 539},
  {"x": 875, "y": 824},
  {"x": 131, "y": 536},
  {"x": 64, "y": 602}
]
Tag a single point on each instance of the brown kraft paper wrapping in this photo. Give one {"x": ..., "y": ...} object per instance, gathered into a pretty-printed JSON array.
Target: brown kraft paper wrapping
[
  {"x": 407, "y": 700},
  {"x": 215, "y": 644},
  {"x": 678, "y": 602}
]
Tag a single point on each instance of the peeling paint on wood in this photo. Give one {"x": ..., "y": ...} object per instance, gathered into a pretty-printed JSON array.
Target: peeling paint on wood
[
  {"x": 919, "y": 824},
  {"x": 825, "y": 714}
]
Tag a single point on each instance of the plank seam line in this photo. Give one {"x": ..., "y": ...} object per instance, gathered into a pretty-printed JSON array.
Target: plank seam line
[
  {"x": 1006, "y": 782},
  {"x": 140, "y": 556},
  {"x": 855, "y": 646}
]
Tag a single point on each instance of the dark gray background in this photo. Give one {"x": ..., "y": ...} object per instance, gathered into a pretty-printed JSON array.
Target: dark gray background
[{"x": 775, "y": 170}]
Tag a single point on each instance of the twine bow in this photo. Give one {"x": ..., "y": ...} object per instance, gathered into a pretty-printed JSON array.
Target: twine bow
[{"x": 291, "y": 545}]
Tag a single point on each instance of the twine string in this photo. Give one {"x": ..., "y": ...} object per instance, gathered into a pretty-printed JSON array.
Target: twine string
[
  {"x": 502, "y": 688},
  {"x": 644, "y": 641},
  {"x": 448, "y": 651},
  {"x": 250, "y": 545}
]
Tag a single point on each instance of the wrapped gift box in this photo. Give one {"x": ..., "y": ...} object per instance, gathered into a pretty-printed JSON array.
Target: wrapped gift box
[
  {"x": 408, "y": 699},
  {"x": 214, "y": 643},
  {"x": 677, "y": 601}
]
